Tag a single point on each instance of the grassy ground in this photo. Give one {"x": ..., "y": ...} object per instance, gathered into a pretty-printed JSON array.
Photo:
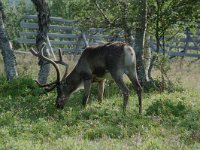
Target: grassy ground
[{"x": 29, "y": 119}]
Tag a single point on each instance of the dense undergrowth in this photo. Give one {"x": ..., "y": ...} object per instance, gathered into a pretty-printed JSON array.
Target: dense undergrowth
[{"x": 29, "y": 119}]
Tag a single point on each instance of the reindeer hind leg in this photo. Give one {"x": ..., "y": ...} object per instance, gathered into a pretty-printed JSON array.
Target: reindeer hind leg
[
  {"x": 118, "y": 78},
  {"x": 132, "y": 75}
]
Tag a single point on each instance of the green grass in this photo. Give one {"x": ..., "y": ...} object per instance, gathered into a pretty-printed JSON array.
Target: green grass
[{"x": 29, "y": 120}]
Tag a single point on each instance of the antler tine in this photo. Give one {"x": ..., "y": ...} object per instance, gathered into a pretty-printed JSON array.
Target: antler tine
[
  {"x": 53, "y": 63},
  {"x": 60, "y": 61},
  {"x": 34, "y": 52},
  {"x": 48, "y": 89},
  {"x": 45, "y": 85}
]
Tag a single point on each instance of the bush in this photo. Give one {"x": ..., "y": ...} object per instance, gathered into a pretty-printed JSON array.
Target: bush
[
  {"x": 19, "y": 87},
  {"x": 168, "y": 108},
  {"x": 156, "y": 84}
]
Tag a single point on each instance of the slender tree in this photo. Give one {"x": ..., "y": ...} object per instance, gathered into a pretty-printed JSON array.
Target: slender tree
[
  {"x": 7, "y": 50},
  {"x": 163, "y": 15},
  {"x": 140, "y": 32},
  {"x": 43, "y": 20}
]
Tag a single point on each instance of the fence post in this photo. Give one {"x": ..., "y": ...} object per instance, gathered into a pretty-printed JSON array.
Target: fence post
[{"x": 187, "y": 38}]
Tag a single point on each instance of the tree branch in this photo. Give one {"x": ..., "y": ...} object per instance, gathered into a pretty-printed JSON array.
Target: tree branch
[{"x": 101, "y": 11}]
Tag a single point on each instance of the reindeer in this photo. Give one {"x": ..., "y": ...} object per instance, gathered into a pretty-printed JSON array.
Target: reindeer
[{"x": 96, "y": 64}]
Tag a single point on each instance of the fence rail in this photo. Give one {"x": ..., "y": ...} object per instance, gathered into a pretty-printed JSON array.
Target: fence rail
[
  {"x": 67, "y": 35},
  {"x": 63, "y": 34},
  {"x": 188, "y": 45}
]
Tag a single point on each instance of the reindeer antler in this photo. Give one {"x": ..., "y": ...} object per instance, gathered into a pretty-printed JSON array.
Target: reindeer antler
[
  {"x": 60, "y": 61},
  {"x": 52, "y": 85}
]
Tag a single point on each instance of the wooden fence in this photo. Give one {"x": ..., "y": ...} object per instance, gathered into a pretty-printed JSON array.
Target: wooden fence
[
  {"x": 185, "y": 44},
  {"x": 64, "y": 34},
  {"x": 67, "y": 35}
]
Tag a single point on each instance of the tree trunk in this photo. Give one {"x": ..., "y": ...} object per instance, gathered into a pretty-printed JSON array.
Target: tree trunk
[
  {"x": 157, "y": 36},
  {"x": 147, "y": 56},
  {"x": 41, "y": 39},
  {"x": 7, "y": 51},
  {"x": 140, "y": 38}
]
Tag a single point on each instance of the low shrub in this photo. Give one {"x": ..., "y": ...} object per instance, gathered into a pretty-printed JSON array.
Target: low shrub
[
  {"x": 168, "y": 108},
  {"x": 19, "y": 87}
]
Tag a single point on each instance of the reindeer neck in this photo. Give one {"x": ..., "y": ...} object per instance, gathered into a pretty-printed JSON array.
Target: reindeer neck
[{"x": 73, "y": 80}]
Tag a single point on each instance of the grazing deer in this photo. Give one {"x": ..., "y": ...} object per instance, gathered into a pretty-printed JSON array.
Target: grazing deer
[{"x": 95, "y": 63}]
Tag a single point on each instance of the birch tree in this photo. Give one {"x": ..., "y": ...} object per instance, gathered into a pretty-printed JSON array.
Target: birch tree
[
  {"x": 140, "y": 32},
  {"x": 7, "y": 50}
]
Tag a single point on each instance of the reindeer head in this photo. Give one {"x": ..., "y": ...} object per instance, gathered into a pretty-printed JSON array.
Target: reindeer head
[
  {"x": 58, "y": 83},
  {"x": 62, "y": 95}
]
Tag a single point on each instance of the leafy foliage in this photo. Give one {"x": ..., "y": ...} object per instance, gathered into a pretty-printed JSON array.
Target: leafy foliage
[
  {"x": 167, "y": 109},
  {"x": 170, "y": 12},
  {"x": 18, "y": 87},
  {"x": 13, "y": 16}
]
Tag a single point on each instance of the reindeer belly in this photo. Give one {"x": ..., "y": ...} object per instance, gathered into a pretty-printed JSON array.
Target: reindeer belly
[{"x": 100, "y": 74}]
